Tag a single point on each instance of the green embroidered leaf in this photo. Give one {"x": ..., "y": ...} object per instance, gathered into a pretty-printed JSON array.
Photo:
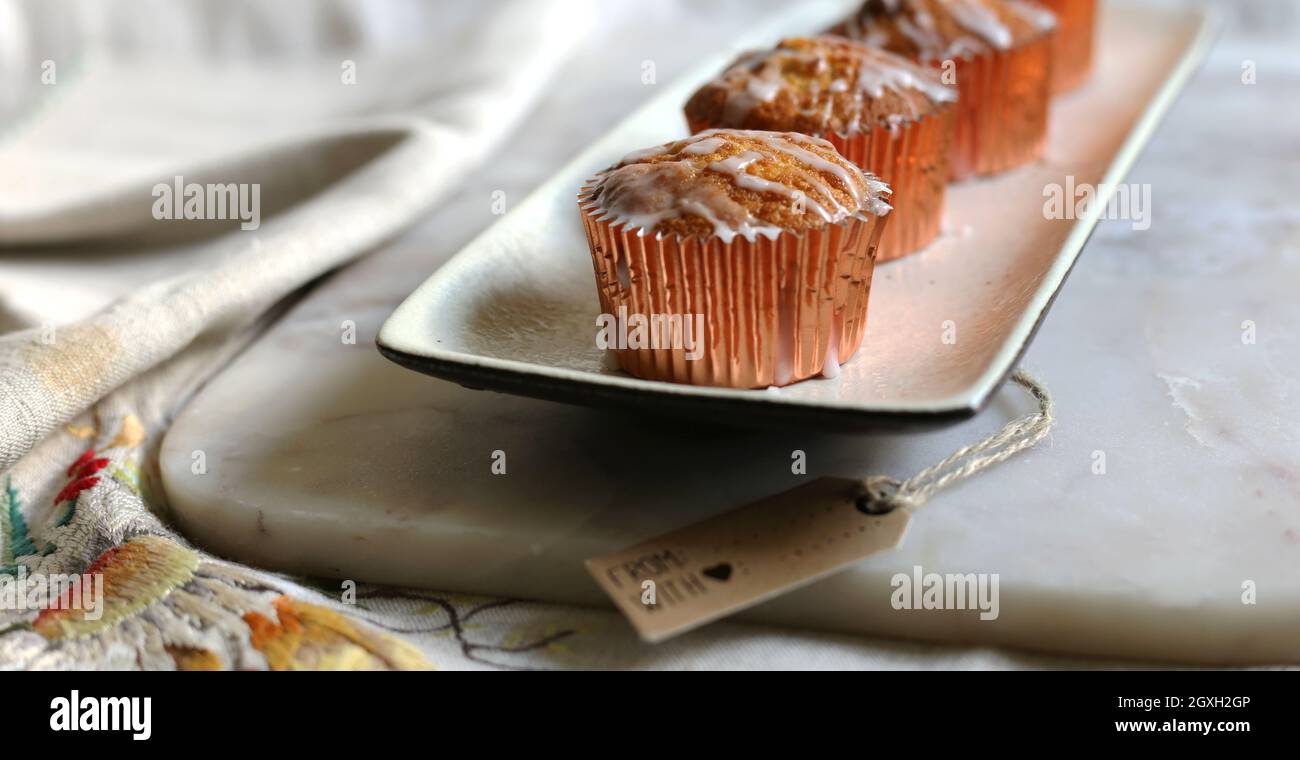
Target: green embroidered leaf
[
  {"x": 63, "y": 513},
  {"x": 14, "y": 541}
]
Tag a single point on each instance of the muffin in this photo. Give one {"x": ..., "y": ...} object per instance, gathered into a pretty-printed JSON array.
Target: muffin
[
  {"x": 888, "y": 115},
  {"x": 743, "y": 257},
  {"x": 1072, "y": 50},
  {"x": 998, "y": 53}
]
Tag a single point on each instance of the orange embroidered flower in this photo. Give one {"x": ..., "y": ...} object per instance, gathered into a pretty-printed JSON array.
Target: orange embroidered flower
[
  {"x": 135, "y": 575},
  {"x": 310, "y": 637}
]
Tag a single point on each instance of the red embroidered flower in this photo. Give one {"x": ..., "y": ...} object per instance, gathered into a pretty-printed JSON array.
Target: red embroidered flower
[{"x": 82, "y": 472}]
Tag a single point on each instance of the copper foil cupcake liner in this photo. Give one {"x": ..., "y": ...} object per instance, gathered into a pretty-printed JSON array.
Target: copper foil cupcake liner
[
  {"x": 774, "y": 311},
  {"x": 913, "y": 159},
  {"x": 1003, "y": 97},
  {"x": 1072, "y": 51}
]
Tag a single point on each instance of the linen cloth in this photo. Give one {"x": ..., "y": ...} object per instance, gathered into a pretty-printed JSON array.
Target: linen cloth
[{"x": 352, "y": 120}]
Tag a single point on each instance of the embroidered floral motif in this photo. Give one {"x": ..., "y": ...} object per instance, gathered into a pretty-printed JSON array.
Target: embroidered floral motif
[
  {"x": 14, "y": 540},
  {"x": 186, "y": 610},
  {"x": 82, "y": 477},
  {"x": 136, "y": 574},
  {"x": 306, "y": 636},
  {"x": 131, "y": 434}
]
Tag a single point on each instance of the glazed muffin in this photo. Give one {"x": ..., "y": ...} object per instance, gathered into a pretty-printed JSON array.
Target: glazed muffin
[
  {"x": 1072, "y": 50},
  {"x": 888, "y": 115},
  {"x": 744, "y": 256},
  {"x": 997, "y": 52}
]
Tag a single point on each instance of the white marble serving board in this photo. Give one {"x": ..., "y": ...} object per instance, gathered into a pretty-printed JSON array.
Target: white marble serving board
[{"x": 325, "y": 459}]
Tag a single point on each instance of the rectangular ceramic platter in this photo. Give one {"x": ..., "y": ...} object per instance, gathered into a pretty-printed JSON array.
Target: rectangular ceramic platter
[{"x": 515, "y": 310}]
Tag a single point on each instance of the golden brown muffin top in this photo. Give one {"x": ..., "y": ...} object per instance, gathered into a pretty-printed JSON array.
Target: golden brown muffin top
[
  {"x": 817, "y": 86},
  {"x": 728, "y": 182},
  {"x": 930, "y": 30}
]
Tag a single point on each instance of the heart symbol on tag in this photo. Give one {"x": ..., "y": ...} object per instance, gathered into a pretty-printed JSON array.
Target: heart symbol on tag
[{"x": 720, "y": 571}]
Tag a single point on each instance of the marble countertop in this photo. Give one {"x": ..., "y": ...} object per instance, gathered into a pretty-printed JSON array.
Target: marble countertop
[{"x": 1172, "y": 353}]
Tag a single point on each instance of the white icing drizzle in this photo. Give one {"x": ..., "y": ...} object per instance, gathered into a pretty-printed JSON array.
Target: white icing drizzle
[
  {"x": 698, "y": 148},
  {"x": 629, "y": 198},
  {"x": 982, "y": 20},
  {"x": 642, "y": 195},
  {"x": 1040, "y": 17},
  {"x": 921, "y": 32},
  {"x": 845, "y": 171},
  {"x": 638, "y": 156},
  {"x": 759, "y": 78},
  {"x": 831, "y": 364},
  {"x": 735, "y": 167},
  {"x": 979, "y": 18},
  {"x": 877, "y": 79}
]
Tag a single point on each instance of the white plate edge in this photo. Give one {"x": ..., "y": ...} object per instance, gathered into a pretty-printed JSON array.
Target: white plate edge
[{"x": 400, "y": 333}]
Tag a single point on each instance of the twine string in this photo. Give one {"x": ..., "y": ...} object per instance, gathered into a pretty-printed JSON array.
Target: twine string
[{"x": 885, "y": 494}]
